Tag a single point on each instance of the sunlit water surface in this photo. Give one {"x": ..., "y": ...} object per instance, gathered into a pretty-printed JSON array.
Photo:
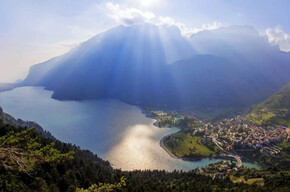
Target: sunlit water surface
[{"x": 116, "y": 131}]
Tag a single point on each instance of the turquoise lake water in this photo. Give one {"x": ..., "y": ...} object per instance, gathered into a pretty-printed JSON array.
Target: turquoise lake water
[{"x": 116, "y": 131}]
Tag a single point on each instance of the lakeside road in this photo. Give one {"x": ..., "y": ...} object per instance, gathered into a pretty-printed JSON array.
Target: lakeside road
[
  {"x": 163, "y": 146},
  {"x": 236, "y": 157}
]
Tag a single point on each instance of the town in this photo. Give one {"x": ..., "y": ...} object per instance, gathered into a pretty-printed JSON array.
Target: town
[{"x": 234, "y": 136}]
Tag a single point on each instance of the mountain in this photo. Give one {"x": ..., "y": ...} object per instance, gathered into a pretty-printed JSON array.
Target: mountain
[
  {"x": 275, "y": 110},
  {"x": 253, "y": 55},
  {"x": 155, "y": 66},
  {"x": 215, "y": 82},
  {"x": 127, "y": 63}
]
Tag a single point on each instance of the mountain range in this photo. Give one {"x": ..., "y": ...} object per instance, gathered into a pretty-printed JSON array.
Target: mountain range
[{"x": 151, "y": 65}]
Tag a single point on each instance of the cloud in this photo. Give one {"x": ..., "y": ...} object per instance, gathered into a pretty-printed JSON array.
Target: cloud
[
  {"x": 185, "y": 30},
  {"x": 277, "y": 36},
  {"x": 128, "y": 16},
  {"x": 211, "y": 26}
]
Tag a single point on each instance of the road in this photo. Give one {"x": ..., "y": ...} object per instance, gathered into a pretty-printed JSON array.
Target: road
[{"x": 236, "y": 157}]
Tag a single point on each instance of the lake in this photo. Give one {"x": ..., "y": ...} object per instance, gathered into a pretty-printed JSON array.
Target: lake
[{"x": 115, "y": 131}]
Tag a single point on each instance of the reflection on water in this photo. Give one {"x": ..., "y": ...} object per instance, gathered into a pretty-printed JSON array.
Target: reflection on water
[{"x": 114, "y": 130}]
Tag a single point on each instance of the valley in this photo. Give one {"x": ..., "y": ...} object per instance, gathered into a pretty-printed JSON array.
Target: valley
[
  {"x": 197, "y": 144},
  {"x": 196, "y": 140},
  {"x": 144, "y": 96}
]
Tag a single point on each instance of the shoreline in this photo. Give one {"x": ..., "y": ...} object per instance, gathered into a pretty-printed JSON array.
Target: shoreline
[
  {"x": 161, "y": 142},
  {"x": 165, "y": 149}
]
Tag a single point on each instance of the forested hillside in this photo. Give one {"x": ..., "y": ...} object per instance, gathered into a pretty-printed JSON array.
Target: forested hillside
[
  {"x": 8, "y": 119},
  {"x": 275, "y": 110}
]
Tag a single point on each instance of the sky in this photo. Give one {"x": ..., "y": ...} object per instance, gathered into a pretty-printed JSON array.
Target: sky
[{"x": 33, "y": 31}]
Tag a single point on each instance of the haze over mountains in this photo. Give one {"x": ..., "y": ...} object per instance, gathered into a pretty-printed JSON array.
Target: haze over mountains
[{"x": 155, "y": 66}]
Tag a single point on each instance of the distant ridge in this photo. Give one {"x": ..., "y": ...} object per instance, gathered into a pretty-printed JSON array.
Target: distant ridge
[{"x": 8, "y": 86}]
